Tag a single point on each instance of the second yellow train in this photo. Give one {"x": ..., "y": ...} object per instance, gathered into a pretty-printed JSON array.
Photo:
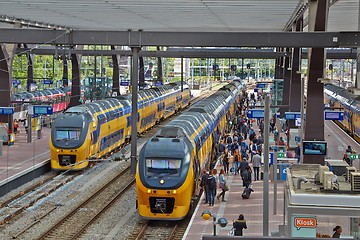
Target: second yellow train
[{"x": 94, "y": 129}]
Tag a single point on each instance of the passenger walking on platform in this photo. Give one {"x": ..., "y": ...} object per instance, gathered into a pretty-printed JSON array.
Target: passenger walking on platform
[
  {"x": 239, "y": 225},
  {"x": 237, "y": 160},
  {"x": 26, "y": 125},
  {"x": 16, "y": 125},
  {"x": 337, "y": 232},
  {"x": 222, "y": 186},
  {"x": 276, "y": 135},
  {"x": 281, "y": 142},
  {"x": 347, "y": 154},
  {"x": 243, "y": 165},
  {"x": 256, "y": 162},
  {"x": 226, "y": 160},
  {"x": 221, "y": 150},
  {"x": 203, "y": 184},
  {"x": 246, "y": 177},
  {"x": 211, "y": 188}
]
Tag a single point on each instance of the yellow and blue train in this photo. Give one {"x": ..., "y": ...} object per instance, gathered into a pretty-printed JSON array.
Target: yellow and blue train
[
  {"x": 338, "y": 97},
  {"x": 94, "y": 129},
  {"x": 171, "y": 161}
]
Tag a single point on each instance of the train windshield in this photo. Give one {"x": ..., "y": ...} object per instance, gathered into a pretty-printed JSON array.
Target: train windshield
[
  {"x": 68, "y": 134},
  {"x": 156, "y": 167}
]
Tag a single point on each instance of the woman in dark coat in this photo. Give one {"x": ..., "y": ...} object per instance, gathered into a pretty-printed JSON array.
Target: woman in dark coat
[
  {"x": 239, "y": 225},
  {"x": 337, "y": 232}
]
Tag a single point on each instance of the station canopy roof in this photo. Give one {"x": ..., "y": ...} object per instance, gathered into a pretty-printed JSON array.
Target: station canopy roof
[{"x": 171, "y": 15}]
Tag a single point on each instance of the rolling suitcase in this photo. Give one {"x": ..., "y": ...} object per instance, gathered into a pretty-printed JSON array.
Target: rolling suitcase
[{"x": 246, "y": 193}]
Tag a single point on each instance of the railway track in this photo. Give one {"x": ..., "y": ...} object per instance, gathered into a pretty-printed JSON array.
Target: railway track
[
  {"x": 75, "y": 223},
  {"x": 27, "y": 198},
  {"x": 160, "y": 230}
]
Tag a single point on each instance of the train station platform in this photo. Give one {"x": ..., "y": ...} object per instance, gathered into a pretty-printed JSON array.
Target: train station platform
[
  {"x": 22, "y": 158},
  {"x": 252, "y": 208}
]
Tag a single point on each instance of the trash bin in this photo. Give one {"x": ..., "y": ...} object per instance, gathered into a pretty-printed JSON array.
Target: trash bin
[{"x": 283, "y": 167}]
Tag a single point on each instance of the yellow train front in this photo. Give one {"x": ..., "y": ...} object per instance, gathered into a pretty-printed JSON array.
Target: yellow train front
[{"x": 171, "y": 161}]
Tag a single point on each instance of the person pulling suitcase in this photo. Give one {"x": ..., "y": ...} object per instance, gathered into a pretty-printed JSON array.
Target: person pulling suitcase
[{"x": 246, "y": 177}]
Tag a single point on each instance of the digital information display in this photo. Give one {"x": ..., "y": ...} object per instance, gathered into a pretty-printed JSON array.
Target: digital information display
[{"x": 43, "y": 110}]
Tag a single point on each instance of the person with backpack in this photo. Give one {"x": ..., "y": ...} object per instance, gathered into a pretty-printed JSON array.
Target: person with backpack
[{"x": 211, "y": 186}]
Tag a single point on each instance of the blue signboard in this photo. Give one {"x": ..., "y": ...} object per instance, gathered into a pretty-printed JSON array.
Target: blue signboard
[
  {"x": 6, "y": 110},
  {"x": 334, "y": 115},
  {"x": 125, "y": 83},
  {"x": 261, "y": 85},
  {"x": 256, "y": 113},
  {"x": 48, "y": 81},
  {"x": 292, "y": 115},
  {"x": 42, "y": 110}
]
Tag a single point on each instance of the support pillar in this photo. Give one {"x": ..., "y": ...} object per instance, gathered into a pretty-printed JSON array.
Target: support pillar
[
  {"x": 5, "y": 84},
  {"x": 314, "y": 126},
  {"x": 141, "y": 73},
  {"x": 134, "y": 106},
  {"x": 65, "y": 78},
  {"x": 116, "y": 74},
  {"x": 286, "y": 85},
  {"x": 160, "y": 73},
  {"x": 357, "y": 80},
  {"x": 75, "y": 86},
  {"x": 279, "y": 72},
  {"x": 295, "y": 82},
  {"x": 30, "y": 70}
]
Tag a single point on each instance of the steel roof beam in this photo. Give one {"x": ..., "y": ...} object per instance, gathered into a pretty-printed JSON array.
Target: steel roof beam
[
  {"x": 193, "y": 53},
  {"x": 181, "y": 39}
]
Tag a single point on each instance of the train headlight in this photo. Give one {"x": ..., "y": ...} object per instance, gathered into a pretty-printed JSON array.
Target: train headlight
[
  {"x": 149, "y": 191},
  {"x": 162, "y": 181},
  {"x": 174, "y": 192},
  {"x": 57, "y": 150}
]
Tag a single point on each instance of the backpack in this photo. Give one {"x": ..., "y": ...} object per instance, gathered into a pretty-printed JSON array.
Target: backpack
[
  {"x": 212, "y": 182},
  {"x": 229, "y": 140}
]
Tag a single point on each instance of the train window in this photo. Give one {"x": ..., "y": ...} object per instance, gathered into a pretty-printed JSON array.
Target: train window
[
  {"x": 163, "y": 166},
  {"x": 68, "y": 134}
]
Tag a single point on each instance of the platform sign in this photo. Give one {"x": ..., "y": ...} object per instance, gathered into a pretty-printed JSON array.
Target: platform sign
[
  {"x": 48, "y": 81},
  {"x": 42, "y": 110},
  {"x": 256, "y": 113},
  {"x": 124, "y": 83},
  {"x": 298, "y": 122},
  {"x": 292, "y": 115},
  {"x": 334, "y": 115},
  {"x": 261, "y": 85},
  {"x": 6, "y": 110}
]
